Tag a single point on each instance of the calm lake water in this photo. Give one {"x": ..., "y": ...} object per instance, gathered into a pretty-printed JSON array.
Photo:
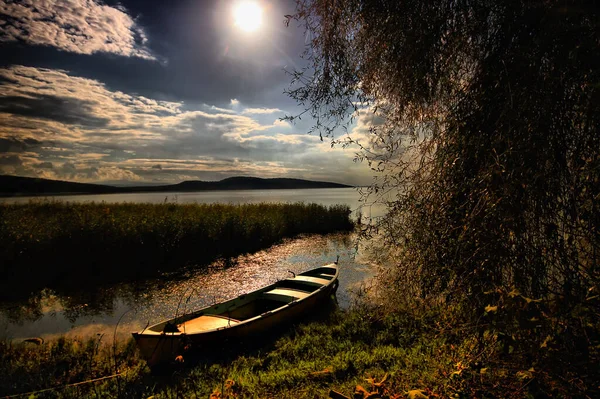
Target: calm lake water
[
  {"x": 129, "y": 307},
  {"x": 324, "y": 196}
]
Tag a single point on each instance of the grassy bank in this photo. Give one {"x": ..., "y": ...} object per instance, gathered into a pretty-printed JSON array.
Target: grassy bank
[
  {"x": 399, "y": 355},
  {"x": 59, "y": 245},
  {"x": 306, "y": 363}
]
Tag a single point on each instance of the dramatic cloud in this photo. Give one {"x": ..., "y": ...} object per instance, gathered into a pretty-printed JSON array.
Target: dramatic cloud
[
  {"x": 77, "y": 26},
  {"x": 56, "y": 125}
]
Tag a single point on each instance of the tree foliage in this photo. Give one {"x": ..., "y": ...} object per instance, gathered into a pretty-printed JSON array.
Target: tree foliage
[
  {"x": 484, "y": 120},
  {"x": 488, "y": 120}
]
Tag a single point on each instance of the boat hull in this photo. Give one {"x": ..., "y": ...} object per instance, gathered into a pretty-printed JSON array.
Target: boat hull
[{"x": 166, "y": 347}]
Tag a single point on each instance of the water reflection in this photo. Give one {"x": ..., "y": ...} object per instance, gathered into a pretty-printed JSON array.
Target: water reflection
[{"x": 87, "y": 313}]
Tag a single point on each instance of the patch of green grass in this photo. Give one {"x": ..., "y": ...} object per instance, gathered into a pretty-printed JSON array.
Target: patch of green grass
[
  {"x": 360, "y": 347},
  {"x": 54, "y": 366},
  {"x": 58, "y": 245},
  {"x": 307, "y": 361}
]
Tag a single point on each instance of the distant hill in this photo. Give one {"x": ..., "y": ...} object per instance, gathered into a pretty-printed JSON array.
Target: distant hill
[{"x": 15, "y": 185}]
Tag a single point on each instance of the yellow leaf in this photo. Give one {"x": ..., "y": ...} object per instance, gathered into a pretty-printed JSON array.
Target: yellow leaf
[
  {"x": 374, "y": 382},
  {"x": 483, "y": 371},
  {"x": 358, "y": 391},
  {"x": 380, "y": 383},
  {"x": 524, "y": 375},
  {"x": 490, "y": 308},
  {"x": 545, "y": 343},
  {"x": 417, "y": 394}
]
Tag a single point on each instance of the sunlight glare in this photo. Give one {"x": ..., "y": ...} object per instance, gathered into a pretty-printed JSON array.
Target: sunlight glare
[{"x": 248, "y": 16}]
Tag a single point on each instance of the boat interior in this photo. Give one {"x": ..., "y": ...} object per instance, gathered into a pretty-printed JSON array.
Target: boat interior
[{"x": 254, "y": 304}]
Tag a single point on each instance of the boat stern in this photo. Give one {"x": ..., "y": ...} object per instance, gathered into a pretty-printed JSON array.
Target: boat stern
[{"x": 159, "y": 348}]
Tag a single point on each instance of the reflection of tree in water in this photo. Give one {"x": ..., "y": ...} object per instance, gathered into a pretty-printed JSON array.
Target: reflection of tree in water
[
  {"x": 73, "y": 305},
  {"x": 88, "y": 303},
  {"x": 75, "y": 302},
  {"x": 102, "y": 301},
  {"x": 26, "y": 311}
]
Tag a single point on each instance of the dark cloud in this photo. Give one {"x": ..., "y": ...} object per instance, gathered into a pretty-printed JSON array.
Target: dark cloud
[
  {"x": 65, "y": 110},
  {"x": 13, "y": 144},
  {"x": 10, "y": 160},
  {"x": 45, "y": 165},
  {"x": 68, "y": 167}
]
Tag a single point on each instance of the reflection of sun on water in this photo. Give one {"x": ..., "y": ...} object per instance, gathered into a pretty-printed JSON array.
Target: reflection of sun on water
[{"x": 248, "y": 16}]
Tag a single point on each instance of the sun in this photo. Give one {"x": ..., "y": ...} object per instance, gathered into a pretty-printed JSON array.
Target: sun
[{"x": 248, "y": 16}]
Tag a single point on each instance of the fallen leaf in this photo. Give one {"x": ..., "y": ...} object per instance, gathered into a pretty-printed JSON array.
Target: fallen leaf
[
  {"x": 490, "y": 308},
  {"x": 545, "y": 343},
  {"x": 417, "y": 394},
  {"x": 524, "y": 375},
  {"x": 529, "y": 300},
  {"x": 360, "y": 392},
  {"x": 455, "y": 373}
]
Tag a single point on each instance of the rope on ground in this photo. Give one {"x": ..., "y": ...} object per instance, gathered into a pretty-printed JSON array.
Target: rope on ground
[{"x": 16, "y": 395}]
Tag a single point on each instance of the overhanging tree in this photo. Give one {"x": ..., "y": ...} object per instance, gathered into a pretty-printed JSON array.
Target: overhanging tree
[
  {"x": 486, "y": 123},
  {"x": 483, "y": 117}
]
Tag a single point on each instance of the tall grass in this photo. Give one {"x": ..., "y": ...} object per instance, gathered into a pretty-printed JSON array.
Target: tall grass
[{"x": 58, "y": 245}]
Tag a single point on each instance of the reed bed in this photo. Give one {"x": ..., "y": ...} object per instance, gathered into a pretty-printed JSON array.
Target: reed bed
[{"x": 58, "y": 245}]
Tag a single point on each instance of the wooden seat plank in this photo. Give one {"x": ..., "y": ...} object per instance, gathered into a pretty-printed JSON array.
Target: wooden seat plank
[
  {"x": 309, "y": 279},
  {"x": 288, "y": 292}
]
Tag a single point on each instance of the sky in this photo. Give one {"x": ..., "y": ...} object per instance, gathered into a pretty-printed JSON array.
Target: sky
[{"x": 144, "y": 91}]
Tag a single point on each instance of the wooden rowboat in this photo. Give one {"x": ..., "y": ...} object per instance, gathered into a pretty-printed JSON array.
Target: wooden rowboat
[{"x": 239, "y": 319}]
